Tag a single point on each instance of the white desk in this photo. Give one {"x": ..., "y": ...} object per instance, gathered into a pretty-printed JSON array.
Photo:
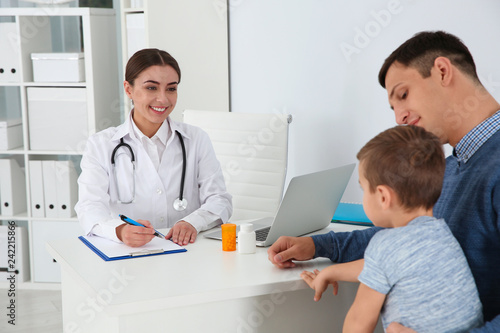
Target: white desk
[{"x": 201, "y": 290}]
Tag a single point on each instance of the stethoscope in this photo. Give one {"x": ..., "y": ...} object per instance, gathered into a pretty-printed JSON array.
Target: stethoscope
[{"x": 180, "y": 203}]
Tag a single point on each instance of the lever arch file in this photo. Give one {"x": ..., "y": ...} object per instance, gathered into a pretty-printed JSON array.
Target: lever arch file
[
  {"x": 50, "y": 188},
  {"x": 67, "y": 188},
  {"x": 37, "y": 193},
  {"x": 12, "y": 187}
]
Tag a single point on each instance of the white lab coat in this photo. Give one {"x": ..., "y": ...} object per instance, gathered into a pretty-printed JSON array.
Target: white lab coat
[{"x": 155, "y": 191}]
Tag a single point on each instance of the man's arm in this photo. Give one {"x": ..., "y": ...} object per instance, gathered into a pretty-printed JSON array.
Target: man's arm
[
  {"x": 338, "y": 247},
  {"x": 364, "y": 312},
  {"x": 489, "y": 327},
  {"x": 343, "y": 246}
]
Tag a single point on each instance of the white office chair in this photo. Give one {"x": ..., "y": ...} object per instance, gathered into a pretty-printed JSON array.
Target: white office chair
[{"x": 253, "y": 152}]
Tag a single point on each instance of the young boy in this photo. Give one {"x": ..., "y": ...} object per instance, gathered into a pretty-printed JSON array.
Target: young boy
[{"x": 414, "y": 272}]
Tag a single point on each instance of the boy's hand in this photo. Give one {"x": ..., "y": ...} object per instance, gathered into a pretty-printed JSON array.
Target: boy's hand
[
  {"x": 398, "y": 328},
  {"x": 319, "y": 282}
]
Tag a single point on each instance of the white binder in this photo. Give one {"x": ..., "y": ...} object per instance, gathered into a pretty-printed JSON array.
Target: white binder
[
  {"x": 12, "y": 187},
  {"x": 50, "y": 188},
  {"x": 67, "y": 190},
  {"x": 36, "y": 184},
  {"x": 9, "y": 57}
]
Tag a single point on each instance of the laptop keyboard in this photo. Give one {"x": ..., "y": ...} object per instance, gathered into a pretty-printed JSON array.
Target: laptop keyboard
[{"x": 261, "y": 234}]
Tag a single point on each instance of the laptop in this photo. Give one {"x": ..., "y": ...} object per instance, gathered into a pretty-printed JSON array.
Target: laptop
[{"x": 308, "y": 205}]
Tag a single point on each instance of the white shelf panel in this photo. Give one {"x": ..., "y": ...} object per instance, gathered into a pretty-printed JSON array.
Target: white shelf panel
[
  {"x": 19, "y": 217},
  {"x": 13, "y": 152},
  {"x": 43, "y": 84},
  {"x": 10, "y": 84},
  {"x": 51, "y": 152},
  {"x": 55, "y": 84},
  {"x": 41, "y": 152},
  {"x": 47, "y": 11},
  {"x": 24, "y": 217}
]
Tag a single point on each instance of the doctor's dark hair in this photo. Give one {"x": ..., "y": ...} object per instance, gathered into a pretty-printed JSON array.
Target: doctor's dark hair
[
  {"x": 420, "y": 52},
  {"x": 145, "y": 58},
  {"x": 409, "y": 160}
]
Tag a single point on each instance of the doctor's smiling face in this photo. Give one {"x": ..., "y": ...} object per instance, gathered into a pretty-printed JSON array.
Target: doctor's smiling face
[{"x": 154, "y": 93}]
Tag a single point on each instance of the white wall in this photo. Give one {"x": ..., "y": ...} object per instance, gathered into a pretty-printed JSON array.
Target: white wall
[
  {"x": 194, "y": 32},
  {"x": 319, "y": 61}
]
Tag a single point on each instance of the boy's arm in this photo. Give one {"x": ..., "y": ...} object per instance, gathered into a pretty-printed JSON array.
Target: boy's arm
[
  {"x": 319, "y": 281},
  {"x": 364, "y": 312},
  {"x": 348, "y": 271}
]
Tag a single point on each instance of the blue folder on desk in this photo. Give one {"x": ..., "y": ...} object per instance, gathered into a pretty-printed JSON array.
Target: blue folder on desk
[
  {"x": 351, "y": 213},
  {"x": 109, "y": 250}
]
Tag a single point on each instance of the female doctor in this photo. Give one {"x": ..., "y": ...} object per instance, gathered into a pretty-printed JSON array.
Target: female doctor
[{"x": 136, "y": 169}]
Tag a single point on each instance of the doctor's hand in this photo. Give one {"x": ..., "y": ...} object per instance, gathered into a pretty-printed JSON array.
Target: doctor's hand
[
  {"x": 286, "y": 249},
  {"x": 182, "y": 233},
  {"x": 135, "y": 236}
]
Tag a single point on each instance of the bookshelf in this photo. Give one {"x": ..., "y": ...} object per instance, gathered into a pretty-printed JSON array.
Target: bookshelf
[{"x": 62, "y": 114}]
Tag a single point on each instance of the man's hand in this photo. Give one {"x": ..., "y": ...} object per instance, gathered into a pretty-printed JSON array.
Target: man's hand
[
  {"x": 182, "y": 233},
  {"x": 135, "y": 236},
  {"x": 286, "y": 249},
  {"x": 398, "y": 328}
]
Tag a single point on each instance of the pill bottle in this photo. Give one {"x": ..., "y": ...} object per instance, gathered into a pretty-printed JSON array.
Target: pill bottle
[
  {"x": 228, "y": 237},
  {"x": 246, "y": 238}
]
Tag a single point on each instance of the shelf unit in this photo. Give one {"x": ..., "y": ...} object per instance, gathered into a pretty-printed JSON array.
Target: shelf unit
[{"x": 34, "y": 33}]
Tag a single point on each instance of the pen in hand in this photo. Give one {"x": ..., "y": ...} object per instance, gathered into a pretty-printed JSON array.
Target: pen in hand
[{"x": 132, "y": 222}]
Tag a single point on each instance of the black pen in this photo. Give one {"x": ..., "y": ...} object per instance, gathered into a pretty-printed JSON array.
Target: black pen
[{"x": 132, "y": 222}]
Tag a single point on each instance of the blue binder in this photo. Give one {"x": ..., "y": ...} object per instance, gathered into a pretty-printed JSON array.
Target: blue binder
[{"x": 351, "y": 213}]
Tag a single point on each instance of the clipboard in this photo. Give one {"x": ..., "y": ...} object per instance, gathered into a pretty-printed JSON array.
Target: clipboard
[{"x": 109, "y": 250}]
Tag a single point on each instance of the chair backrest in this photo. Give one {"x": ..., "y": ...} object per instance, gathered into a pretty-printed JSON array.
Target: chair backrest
[{"x": 253, "y": 152}]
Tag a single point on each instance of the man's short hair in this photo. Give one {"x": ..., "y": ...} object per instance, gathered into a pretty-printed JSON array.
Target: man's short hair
[
  {"x": 408, "y": 159},
  {"x": 423, "y": 48}
]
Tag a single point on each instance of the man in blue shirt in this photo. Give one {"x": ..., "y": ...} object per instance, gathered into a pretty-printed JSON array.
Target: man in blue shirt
[{"x": 431, "y": 82}]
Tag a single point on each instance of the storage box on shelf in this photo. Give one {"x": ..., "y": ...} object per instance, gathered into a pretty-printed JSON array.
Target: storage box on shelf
[
  {"x": 11, "y": 133},
  {"x": 57, "y": 118},
  {"x": 52, "y": 98},
  {"x": 58, "y": 67}
]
